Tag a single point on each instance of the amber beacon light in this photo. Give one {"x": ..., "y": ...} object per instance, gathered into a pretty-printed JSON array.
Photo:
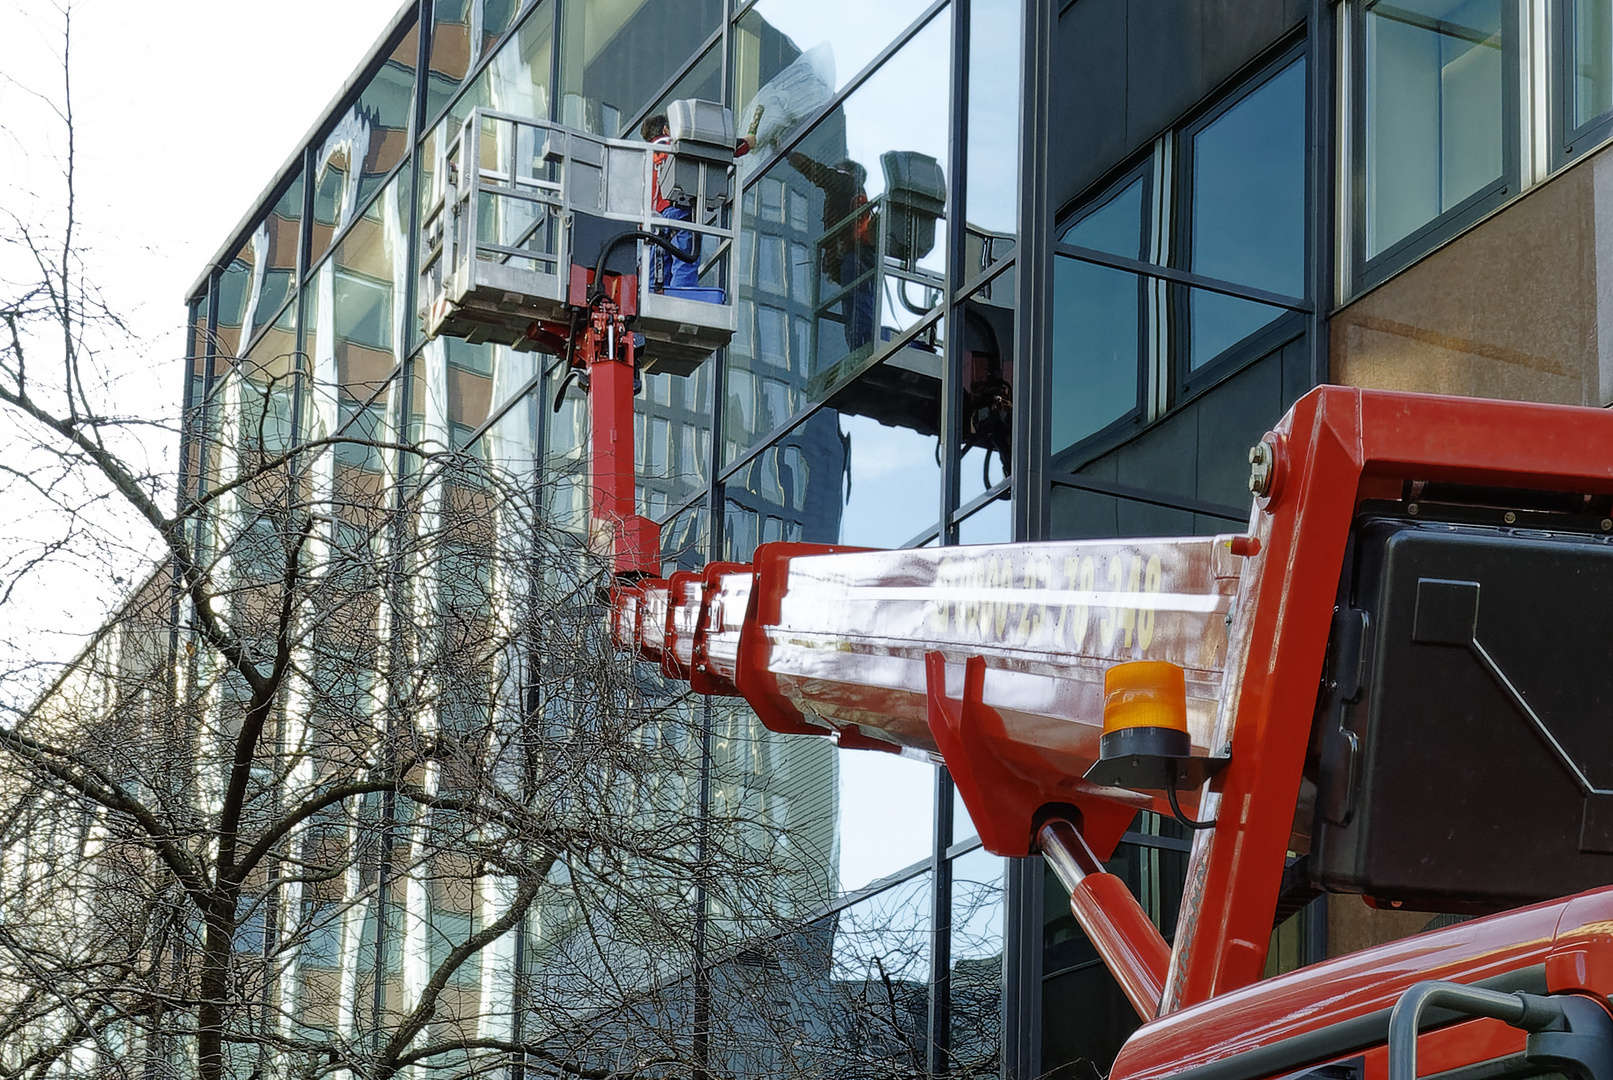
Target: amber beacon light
[{"x": 1145, "y": 745}]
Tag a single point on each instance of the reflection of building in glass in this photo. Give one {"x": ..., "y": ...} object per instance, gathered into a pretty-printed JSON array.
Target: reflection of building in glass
[{"x": 1057, "y": 305}]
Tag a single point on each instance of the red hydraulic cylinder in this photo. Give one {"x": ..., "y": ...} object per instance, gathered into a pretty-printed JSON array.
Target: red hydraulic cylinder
[
  {"x": 631, "y": 542},
  {"x": 1123, "y": 934}
]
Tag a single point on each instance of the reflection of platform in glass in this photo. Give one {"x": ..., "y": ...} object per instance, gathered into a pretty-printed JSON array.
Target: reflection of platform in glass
[
  {"x": 504, "y": 242},
  {"x": 902, "y": 390}
]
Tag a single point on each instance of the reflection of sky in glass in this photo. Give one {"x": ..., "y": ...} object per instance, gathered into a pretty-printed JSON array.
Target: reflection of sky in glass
[
  {"x": 1095, "y": 349},
  {"x": 991, "y": 524},
  {"x": 993, "y": 115},
  {"x": 886, "y": 936},
  {"x": 855, "y": 30},
  {"x": 1249, "y": 210},
  {"x": 963, "y": 825},
  {"x": 977, "y": 905},
  {"x": 895, "y": 483},
  {"x": 1115, "y": 227},
  {"x": 902, "y": 106},
  {"x": 887, "y": 807},
  {"x": 1249, "y": 189}
]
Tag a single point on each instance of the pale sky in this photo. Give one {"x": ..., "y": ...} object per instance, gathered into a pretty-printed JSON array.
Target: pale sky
[{"x": 184, "y": 110}]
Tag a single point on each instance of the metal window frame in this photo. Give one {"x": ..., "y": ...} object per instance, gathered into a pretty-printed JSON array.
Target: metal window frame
[
  {"x": 1569, "y": 141},
  {"x": 1141, "y": 169},
  {"x": 1365, "y": 272},
  {"x": 1187, "y": 382}
]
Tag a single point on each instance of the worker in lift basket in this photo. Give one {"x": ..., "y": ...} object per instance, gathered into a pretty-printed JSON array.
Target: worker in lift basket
[{"x": 680, "y": 274}]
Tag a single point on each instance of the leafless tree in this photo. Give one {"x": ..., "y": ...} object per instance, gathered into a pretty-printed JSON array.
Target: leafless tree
[{"x": 354, "y": 781}]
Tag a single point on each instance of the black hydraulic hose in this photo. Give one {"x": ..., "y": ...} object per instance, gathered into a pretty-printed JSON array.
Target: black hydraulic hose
[{"x": 626, "y": 238}]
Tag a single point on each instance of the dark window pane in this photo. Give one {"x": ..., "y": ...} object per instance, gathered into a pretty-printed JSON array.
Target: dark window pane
[
  {"x": 1220, "y": 322},
  {"x": 1115, "y": 225},
  {"x": 1434, "y": 108},
  {"x": 1096, "y": 349},
  {"x": 987, "y": 400},
  {"x": 1248, "y": 211},
  {"x": 1249, "y": 189},
  {"x": 703, "y": 81}
]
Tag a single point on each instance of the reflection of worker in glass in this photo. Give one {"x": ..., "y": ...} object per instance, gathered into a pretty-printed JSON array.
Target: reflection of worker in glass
[
  {"x": 669, "y": 272},
  {"x": 848, "y": 241}
]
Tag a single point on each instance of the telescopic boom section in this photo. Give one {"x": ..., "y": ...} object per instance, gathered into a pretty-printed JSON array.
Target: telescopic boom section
[{"x": 996, "y": 659}]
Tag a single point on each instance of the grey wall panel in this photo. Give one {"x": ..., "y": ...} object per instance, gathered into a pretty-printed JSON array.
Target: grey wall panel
[
  {"x": 1161, "y": 458},
  {"x": 1125, "y": 70},
  {"x": 1232, "y": 418},
  {"x": 1201, "y": 451},
  {"x": 1088, "y": 95}
]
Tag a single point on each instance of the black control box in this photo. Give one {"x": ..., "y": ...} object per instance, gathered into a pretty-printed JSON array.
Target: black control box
[{"x": 1463, "y": 741}]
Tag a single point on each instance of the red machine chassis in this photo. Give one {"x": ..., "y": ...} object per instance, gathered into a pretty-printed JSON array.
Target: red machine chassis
[{"x": 1337, "y": 448}]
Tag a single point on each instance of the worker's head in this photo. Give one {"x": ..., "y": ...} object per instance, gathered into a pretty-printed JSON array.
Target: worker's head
[
  {"x": 654, "y": 127},
  {"x": 855, "y": 170}
]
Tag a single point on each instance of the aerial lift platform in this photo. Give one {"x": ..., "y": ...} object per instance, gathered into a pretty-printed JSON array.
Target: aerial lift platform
[
  {"x": 541, "y": 237},
  {"x": 1400, "y": 671}
]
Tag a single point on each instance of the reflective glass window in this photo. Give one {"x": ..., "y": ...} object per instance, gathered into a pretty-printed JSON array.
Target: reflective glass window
[
  {"x": 1590, "y": 90},
  {"x": 844, "y": 995},
  {"x": 993, "y": 156},
  {"x": 616, "y": 55},
  {"x": 882, "y": 946},
  {"x": 865, "y": 469},
  {"x": 266, "y": 389},
  {"x": 977, "y": 964},
  {"x": 516, "y": 80},
  {"x": 260, "y": 278},
  {"x": 991, "y": 524},
  {"x": 453, "y": 50},
  {"x": 364, "y": 145},
  {"x": 778, "y": 795},
  {"x": 1098, "y": 319},
  {"x": 480, "y": 398},
  {"x": 846, "y": 240},
  {"x": 565, "y": 468},
  {"x": 685, "y": 540},
  {"x": 461, "y": 33},
  {"x": 790, "y": 58},
  {"x": 987, "y": 392},
  {"x": 673, "y": 438},
  {"x": 234, "y": 296},
  {"x": 1247, "y": 210},
  {"x": 1434, "y": 106},
  {"x": 508, "y": 444},
  {"x": 887, "y": 810},
  {"x": 963, "y": 826},
  {"x": 702, "y": 81},
  {"x": 354, "y": 326}
]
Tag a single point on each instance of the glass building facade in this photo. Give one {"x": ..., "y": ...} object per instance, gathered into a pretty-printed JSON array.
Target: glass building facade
[{"x": 1162, "y": 224}]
